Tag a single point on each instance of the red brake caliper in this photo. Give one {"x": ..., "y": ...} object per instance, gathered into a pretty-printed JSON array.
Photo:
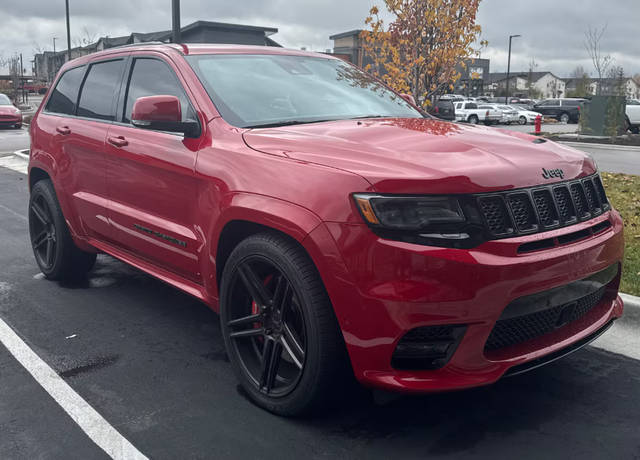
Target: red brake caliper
[{"x": 254, "y": 306}]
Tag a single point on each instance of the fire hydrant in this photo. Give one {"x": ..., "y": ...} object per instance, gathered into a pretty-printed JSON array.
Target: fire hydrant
[{"x": 538, "y": 124}]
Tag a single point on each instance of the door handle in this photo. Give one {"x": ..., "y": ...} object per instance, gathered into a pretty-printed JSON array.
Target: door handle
[
  {"x": 118, "y": 141},
  {"x": 64, "y": 130}
]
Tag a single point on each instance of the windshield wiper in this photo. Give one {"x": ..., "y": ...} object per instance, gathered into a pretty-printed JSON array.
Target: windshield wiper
[
  {"x": 286, "y": 123},
  {"x": 369, "y": 116}
]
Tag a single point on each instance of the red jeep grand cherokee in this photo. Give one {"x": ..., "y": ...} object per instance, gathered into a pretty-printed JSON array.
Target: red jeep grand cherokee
[{"x": 334, "y": 227}]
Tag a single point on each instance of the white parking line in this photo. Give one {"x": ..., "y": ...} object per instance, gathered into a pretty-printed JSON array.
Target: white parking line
[{"x": 92, "y": 423}]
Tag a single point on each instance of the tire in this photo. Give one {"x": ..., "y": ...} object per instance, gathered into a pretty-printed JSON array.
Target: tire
[
  {"x": 18, "y": 126},
  {"x": 473, "y": 119},
  {"x": 56, "y": 254},
  {"x": 522, "y": 120},
  {"x": 301, "y": 337},
  {"x": 564, "y": 117}
]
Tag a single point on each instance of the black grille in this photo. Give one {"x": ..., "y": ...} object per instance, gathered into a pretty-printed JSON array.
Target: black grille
[
  {"x": 523, "y": 212},
  {"x": 533, "y": 210},
  {"x": 516, "y": 330},
  {"x": 496, "y": 215},
  {"x": 546, "y": 208}
]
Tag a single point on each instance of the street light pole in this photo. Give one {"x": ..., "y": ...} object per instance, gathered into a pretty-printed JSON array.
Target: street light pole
[
  {"x": 68, "y": 32},
  {"x": 506, "y": 98},
  {"x": 175, "y": 21}
]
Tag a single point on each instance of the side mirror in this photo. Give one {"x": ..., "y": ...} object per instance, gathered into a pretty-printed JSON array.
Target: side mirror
[
  {"x": 162, "y": 113},
  {"x": 409, "y": 98}
]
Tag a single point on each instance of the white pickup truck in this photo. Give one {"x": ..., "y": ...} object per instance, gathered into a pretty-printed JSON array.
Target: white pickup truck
[
  {"x": 633, "y": 116},
  {"x": 469, "y": 112}
]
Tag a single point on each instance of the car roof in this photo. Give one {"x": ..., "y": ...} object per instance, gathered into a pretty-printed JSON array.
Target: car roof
[{"x": 194, "y": 49}]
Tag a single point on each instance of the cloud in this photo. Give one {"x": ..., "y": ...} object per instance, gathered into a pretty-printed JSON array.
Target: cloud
[{"x": 552, "y": 31}]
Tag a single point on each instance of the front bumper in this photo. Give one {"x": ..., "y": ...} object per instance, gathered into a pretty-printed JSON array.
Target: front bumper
[
  {"x": 10, "y": 120},
  {"x": 382, "y": 289}
]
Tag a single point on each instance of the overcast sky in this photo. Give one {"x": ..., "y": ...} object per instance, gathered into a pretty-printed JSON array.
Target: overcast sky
[{"x": 552, "y": 30}]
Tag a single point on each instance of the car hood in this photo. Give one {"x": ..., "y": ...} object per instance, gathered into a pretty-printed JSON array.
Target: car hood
[
  {"x": 9, "y": 110},
  {"x": 425, "y": 155}
]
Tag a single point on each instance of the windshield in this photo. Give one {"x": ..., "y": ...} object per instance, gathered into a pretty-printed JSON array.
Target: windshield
[
  {"x": 271, "y": 90},
  {"x": 4, "y": 100}
]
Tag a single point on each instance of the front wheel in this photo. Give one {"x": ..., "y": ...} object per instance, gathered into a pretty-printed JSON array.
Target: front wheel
[
  {"x": 473, "y": 119},
  {"x": 56, "y": 254},
  {"x": 279, "y": 327}
]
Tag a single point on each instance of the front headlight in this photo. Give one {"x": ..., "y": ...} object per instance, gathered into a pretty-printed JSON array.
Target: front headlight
[{"x": 409, "y": 213}]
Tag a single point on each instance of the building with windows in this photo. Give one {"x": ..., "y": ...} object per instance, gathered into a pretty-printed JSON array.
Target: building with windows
[
  {"x": 536, "y": 85},
  {"x": 46, "y": 65}
]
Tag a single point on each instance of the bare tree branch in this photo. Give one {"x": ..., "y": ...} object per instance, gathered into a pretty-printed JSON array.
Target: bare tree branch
[{"x": 601, "y": 63}]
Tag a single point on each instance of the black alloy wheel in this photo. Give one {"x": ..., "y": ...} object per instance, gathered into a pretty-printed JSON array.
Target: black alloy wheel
[
  {"x": 280, "y": 331},
  {"x": 53, "y": 247},
  {"x": 43, "y": 232},
  {"x": 266, "y": 327}
]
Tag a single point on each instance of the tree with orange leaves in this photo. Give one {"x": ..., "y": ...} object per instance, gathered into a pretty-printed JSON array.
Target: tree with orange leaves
[{"x": 419, "y": 50}]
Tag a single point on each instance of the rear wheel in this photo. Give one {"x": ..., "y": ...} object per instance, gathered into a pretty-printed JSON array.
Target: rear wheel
[
  {"x": 55, "y": 252},
  {"x": 18, "y": 126},
  {"x": 522, "y": 120},
  {"x": 279, "y": 327},
  {"x": 564, "y": 117}
]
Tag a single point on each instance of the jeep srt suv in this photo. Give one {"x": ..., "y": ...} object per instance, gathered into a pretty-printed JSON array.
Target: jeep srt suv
[{"x": 337, "y": 230}]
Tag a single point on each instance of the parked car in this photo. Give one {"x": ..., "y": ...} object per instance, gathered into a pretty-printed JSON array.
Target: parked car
[
  {"x": 470, "y": 112},
  {"x": 524, "y": 115},
  {"x": 564, "y": 110},
  {"x": 633, "y": 116},
  {"x": 508, "y": 115},
  {"x": 444, "y": 109},
  {"x": 337, "y": 231},
  {"x": 10, "y": 115}
]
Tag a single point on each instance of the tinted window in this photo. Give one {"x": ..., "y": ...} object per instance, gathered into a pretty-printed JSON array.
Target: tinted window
[
  {"x": 64, "y": 96},
  {"x": 99, "y": 89},
  {"x": 571, "y": 102},
  {"x": 471, "y": 106},
  {"x": 4, "y": 100},
  {"x": 259, "y": 90},
  {"x": 151, "y": 77}
]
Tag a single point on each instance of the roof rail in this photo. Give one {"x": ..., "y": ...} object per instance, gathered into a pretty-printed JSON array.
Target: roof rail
[{"x": 128, "y": 45}]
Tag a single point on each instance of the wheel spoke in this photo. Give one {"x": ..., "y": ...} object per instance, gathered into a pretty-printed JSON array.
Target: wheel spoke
[
  {"x": 282, "y": 297},
  {"x": 247, "y": 333},
  {"x": 49, "y": 256},
  {"x": 40, "y": 239},
  {"x": 270, "y": 364},
  {"x": 251, "y": 319},
  {"x": 39, "y": 213},
  {"x": 292, "y": 347},
  {"x": 253, "y": 284}
]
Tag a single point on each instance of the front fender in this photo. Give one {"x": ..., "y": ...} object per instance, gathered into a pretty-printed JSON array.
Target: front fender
[{"x": 283, "y": 216}]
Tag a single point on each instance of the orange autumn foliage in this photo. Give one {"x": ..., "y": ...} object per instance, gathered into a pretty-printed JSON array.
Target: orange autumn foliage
[{"x": 419, "y": 50}]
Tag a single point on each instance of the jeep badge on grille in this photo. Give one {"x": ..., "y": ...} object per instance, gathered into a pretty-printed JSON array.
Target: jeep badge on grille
[{"x": 550, "y": 173}]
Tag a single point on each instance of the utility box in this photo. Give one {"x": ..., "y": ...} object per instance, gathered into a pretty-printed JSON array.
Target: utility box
[{"x": 603, "y": 116}]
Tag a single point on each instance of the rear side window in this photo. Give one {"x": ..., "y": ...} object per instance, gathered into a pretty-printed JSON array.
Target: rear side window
[
  {"x": 99, "y": 89},
  {"x": 471, "y": 106},
  {"x": 571, "y": 102},
  {"x": 151, "y": 77},
  {"x": 65, "y": 94}
]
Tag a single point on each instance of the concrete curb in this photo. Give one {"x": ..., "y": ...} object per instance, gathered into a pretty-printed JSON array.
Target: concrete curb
[
  {"x": 24, "y": 154},
  {"x": 625, "y": 148},
  {"x": 630, "y": 300}
]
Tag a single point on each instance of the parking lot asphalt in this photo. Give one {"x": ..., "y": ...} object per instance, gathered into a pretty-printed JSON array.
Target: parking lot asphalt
[
  {"x": 151, "y": 361},
  {"x": 14, "y": 139}
]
